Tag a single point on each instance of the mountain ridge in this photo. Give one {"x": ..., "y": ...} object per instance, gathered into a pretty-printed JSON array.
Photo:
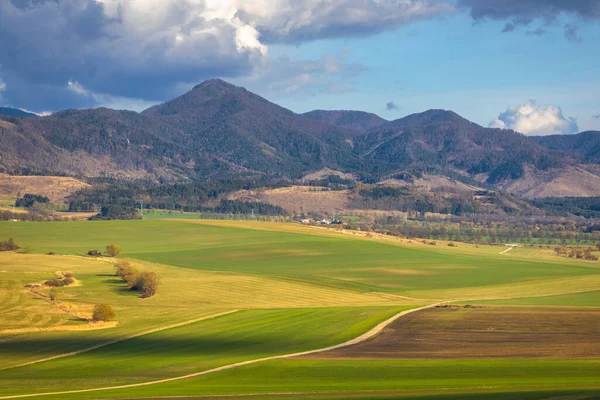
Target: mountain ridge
[{"x": 219, "y": 129}]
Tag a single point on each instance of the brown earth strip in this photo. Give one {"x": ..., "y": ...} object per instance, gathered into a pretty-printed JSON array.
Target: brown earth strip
[{"x": 448, "y": 333}]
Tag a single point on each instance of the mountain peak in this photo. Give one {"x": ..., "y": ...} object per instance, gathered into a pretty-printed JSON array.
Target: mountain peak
[
  {"x": 430, "y": 117},
  {"x": 216, "y": 84}
]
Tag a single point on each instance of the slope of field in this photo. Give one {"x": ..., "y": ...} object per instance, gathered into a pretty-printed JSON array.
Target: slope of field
[
  {"x": 56, "y": 188},
  {"x": 390, "y": 379},
  {"x": 276, "y": 289},
  {"x": 341, "y": 262},
  {"x": 240, "y": 336},
  {"x": 185, "y": 294}
]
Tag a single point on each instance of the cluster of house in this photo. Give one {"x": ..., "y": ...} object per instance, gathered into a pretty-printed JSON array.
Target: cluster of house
[{"x": 324, "y": 221}]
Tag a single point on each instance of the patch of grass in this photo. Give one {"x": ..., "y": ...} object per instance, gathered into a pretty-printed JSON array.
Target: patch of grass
[
  {"x": 300, "y": 255},
  {"x": 370, "y": 378},
  {"x": 184, "y": 294},
  {"x": 584, "y": 299},
  {"x": 244, "y": 335}
]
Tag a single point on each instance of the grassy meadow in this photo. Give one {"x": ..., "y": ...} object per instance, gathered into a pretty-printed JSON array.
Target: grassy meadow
[{"x": 235, "y": 291}]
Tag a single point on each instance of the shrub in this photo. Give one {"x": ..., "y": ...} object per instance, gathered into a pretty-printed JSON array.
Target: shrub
[
  {"x": 433, "y": 243},
  {"x": 68, "y": 281},
  {"x": 103, "y": 312},
  {"x": 112, "y": 250},
  {"x": 55, "y": 283},
  {"x": 148, "y": 284},
  {"x": 53, "y": 294},
  {"x": 94, "y": 253},
  {"x": 452, "y": 244},
  {"x": 8, "y": 245},
  {"x": 121, "y": 267},
  {"x": 68, "y": 275}
]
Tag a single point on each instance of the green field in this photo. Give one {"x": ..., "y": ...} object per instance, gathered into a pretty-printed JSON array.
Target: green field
[{"x": 234, "y": 291}]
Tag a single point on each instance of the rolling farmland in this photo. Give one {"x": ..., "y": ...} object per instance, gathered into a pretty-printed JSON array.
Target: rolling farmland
[{"x": 235, "y": 292}]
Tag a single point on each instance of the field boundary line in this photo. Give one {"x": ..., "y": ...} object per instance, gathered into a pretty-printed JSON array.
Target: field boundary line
[
  {"x": 121, "y": 339},
  {"x": 372, "y": 332}
]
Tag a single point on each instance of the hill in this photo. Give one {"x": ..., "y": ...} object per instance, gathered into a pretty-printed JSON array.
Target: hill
[
  {"x": 586, "y": 145},
  {"x": 219, "y": 130},
  {"x": 15, "y": 112}
]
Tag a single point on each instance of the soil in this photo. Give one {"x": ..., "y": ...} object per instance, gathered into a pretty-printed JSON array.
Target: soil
[{"x": 459, "y": 333}]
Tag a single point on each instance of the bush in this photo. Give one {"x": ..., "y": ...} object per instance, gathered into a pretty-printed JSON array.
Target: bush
[
  {"x": 94, "y": 253},
  {"x": 68, "y": 281},
  {"x": 9, "y": 245},
  {"x": 55, "y": 283},
  {"x": 68, "y": 275},
  {"x": 53, "y": 294},
  {"x": 452, "y": 244},
  {"x": 148, "y": 284},
  {"x": 103, "y": 312},
  {"x": 112, "y": 250}
]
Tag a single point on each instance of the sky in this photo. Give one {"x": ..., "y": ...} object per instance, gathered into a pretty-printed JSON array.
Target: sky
[{"x": 528, "y": 65}]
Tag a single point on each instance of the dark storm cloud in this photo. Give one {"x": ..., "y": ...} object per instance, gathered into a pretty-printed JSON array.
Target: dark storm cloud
[
  {"x": 130, "y": 49},
  {"x": 525, "y": 12},
  {"x": 46, "y": 43}
]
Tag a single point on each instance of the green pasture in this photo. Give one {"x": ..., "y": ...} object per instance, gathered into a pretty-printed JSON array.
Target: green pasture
[
  {"x": 287, "y": 288},
  {"x": 344, "y": 262},
  {"x": 371, "y": 377},
  {"x": 584, "y": 299},
  {"x": 244, "y": 335}
]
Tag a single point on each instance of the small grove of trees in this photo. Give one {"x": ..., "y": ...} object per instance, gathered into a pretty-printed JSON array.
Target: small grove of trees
[
  {"x": 103, "y": 312},
  {"x": 29, "y": 200},
  {"x": 585, "y": 254},
  {"x": 111, "y": 250},
  {"x": 8, "y": 245},
  {"x": 145, "y": 282}
]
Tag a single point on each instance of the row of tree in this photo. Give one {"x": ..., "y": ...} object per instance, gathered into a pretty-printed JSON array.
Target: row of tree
[{"x": 145, "y": 282}]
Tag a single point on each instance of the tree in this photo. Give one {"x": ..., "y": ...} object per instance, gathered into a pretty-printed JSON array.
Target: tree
[
  {"x": 148, "y": 284},
  {"x": 103, "y": 312},
  {"x": 121, "y": 268},
  {"x": 112, "y": 250},
  {"x": 53, "y": 294}
]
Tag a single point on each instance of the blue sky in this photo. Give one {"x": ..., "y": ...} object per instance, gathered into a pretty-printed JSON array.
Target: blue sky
[
  {"x": 529, "y": 65},
  {"x": 471, "y": 68}
]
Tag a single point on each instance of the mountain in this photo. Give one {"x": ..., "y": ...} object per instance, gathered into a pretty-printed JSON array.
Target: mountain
[
  {"x": 359, "y": 121},
  {"x": 585, "y": 145},
  {"x": 442, "y": 141},
  {"x": 221, "y": 130},
  {"x": 15, "y": 112},
  {"x": 251, "y": 133}
]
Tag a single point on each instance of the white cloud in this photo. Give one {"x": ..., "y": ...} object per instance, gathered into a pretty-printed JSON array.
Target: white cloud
[
  {"x": 329, "y": 74},
  {"x": 78, "y": 88},
  {"x": 533, "y": 120},
  {"x": 106, "y": 100}
]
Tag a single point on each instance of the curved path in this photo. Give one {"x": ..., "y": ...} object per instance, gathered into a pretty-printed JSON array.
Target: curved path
[
  {"x": 374, "y": 331},
  {"x": 162, "y": 328}
]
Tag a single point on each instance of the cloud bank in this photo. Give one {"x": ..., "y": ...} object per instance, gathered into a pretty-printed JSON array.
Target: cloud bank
[
  {"x": 533, "y": 120},
  {"x": 150, "y": 49}
]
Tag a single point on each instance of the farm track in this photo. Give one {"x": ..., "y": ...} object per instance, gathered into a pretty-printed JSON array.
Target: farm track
[
  {"x": 506, "y": 251},
  {"x": 373, "y": 332},
  {"x": 122, "y": 339}
]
